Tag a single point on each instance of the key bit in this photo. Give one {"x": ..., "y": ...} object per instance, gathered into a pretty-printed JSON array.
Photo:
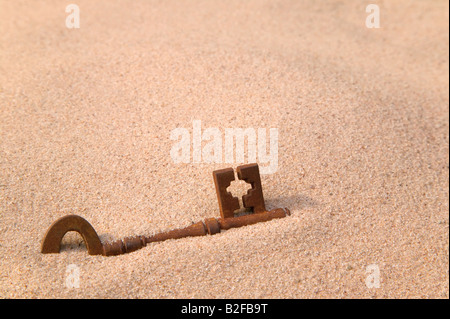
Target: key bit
[
  {"x": 254, "y": 198},
  {"x": 227, "y": 202}
]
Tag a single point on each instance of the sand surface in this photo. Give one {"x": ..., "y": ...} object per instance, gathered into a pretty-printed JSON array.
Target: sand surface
[{"x": 86, "y": 116}]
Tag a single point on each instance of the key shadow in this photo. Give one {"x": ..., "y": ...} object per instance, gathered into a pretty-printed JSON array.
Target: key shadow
[
  {"x": 293, "y": 202},
  {"x": 73, "y": 241}
]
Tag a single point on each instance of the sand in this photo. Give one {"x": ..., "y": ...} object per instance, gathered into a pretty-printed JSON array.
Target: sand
[{"x": 363, "y": 157}]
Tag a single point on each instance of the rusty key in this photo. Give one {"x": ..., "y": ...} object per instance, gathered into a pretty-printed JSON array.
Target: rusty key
[{"x": 227, "y": 205}]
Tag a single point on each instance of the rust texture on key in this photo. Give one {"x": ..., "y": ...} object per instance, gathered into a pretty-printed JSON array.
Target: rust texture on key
[
  {"x": 254, "y": 198},
  {"x": 56, "y": 232},
  {"x": 209, "y": 226},
  {"x": 227, "y": 203},
  {"x": 197, "y": 229},
  {"x": 123, "y": 246},
  {"x": 129, "y": 244},
  {"x": 212, "y": 226}
]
